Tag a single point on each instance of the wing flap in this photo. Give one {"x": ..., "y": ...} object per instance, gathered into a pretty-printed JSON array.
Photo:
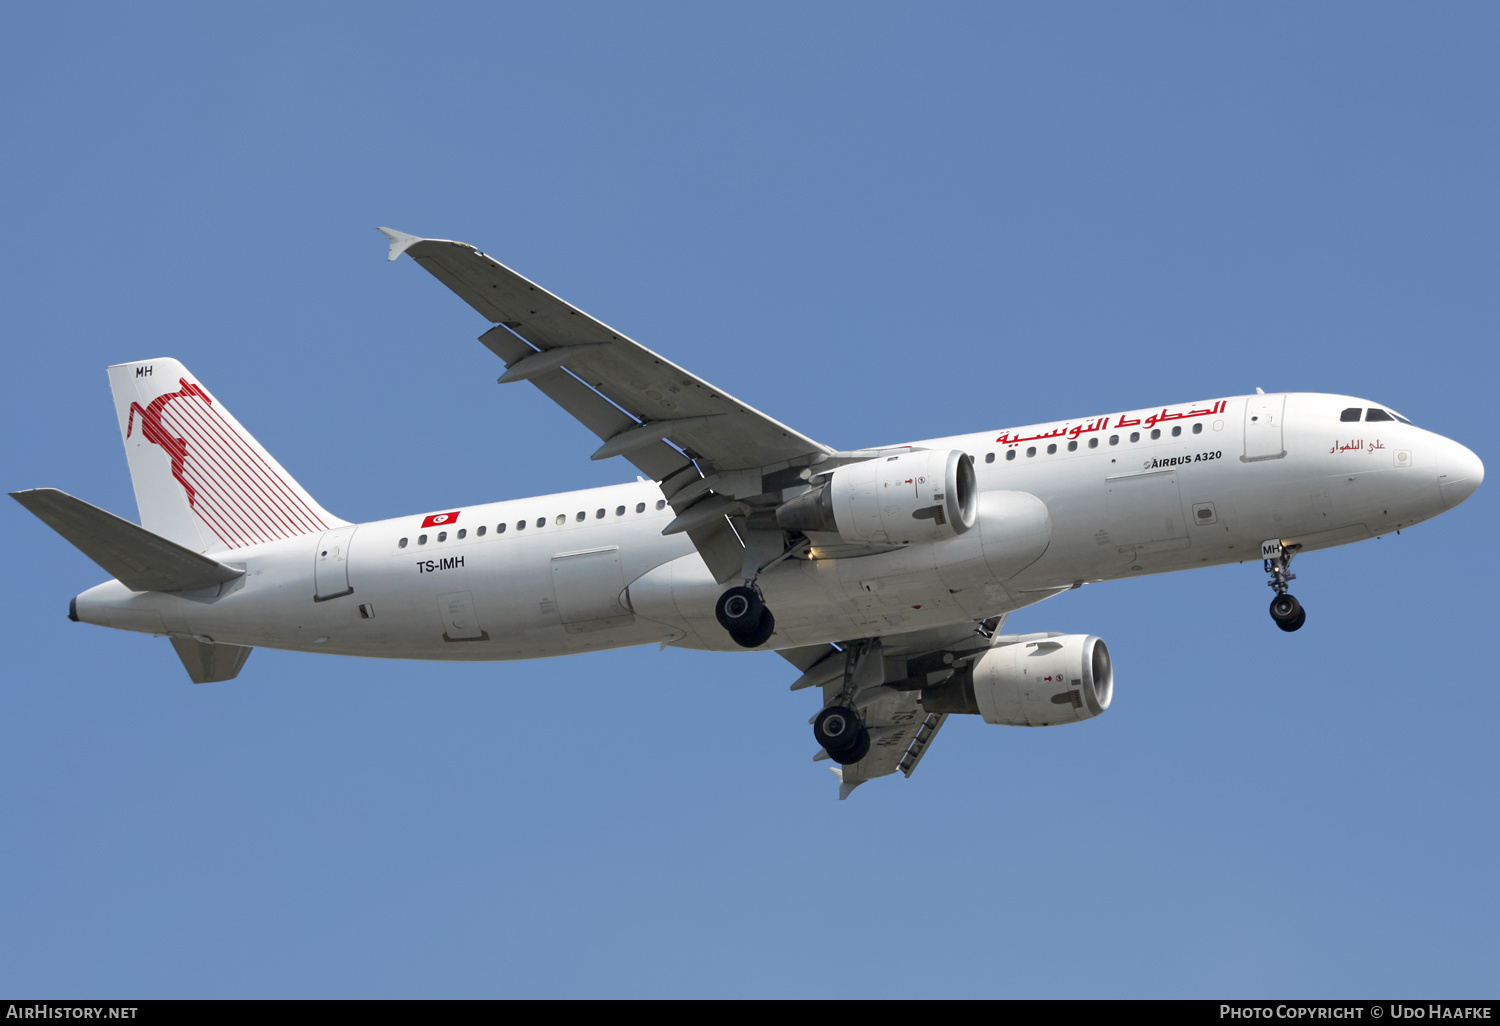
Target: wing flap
[{"x": 132, "y": 555}]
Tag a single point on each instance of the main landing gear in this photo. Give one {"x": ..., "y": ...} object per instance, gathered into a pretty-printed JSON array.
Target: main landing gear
[
  {"x": 843, "y": 737},
  {"x": 1286, "y": 611},
  {"x": 743, "y": 613}
]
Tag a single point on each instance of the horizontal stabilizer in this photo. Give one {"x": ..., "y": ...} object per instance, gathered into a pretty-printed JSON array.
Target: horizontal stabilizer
[
  {"x": 132, "y": 555},
  {"x": 207, "y": 663}
]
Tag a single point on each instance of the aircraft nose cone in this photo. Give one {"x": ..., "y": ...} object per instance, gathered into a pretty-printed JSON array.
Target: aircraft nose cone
[{"x": 1461, "y": 475}]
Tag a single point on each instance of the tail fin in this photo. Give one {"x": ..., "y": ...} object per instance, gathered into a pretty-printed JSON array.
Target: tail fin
[{"x": 200, "y": 479}]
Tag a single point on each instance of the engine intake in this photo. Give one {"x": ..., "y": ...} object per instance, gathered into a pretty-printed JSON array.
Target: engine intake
[{"x": 918, "y": 496}]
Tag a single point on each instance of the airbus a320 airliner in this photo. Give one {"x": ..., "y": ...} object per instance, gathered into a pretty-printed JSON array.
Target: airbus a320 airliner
[{"x": 883, "y": 575}]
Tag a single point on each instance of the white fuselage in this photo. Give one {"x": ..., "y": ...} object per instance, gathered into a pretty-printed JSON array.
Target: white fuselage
[{"x": 592, "y": 570}]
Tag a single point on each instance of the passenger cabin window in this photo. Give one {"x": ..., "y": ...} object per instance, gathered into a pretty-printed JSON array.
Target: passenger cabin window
[
  {"x": 421, "y": 539},
  {"x": 580, "y": 516},
  {"x": 1114, "y": 439},
  {"x": 442, "y": 536},
  {"x": 1377, "y": 414},
  {"x": 640, "y": 507},
  {"x": 599, "y": 514},
  {"x": 401, "y": 544},
  {"x": 1093, "y": 443},
  {"x": 1052, "y": 449},
  {"x": 1155, "y": 433},
  {"x": 462, "y": 533},
  {"x": 989, "y": 457},
  {"x": 1010, "y": 454},
  {"x": 541, "y": 521},
  {"x": 1030, "y": 451},
  {"x": 1073, "y": 445},
  {"x": 1135, "y": 436},
  {"x": 1350, "y": 415},
  {"x": 1198, "y": 428},
  {"x": 1176, "y": 430},
  {"x": 479, "y": 533},
  {"x": 619, "y": 511},
  {"x": 499, "y": 528},
  {"x": 661, "y": 503},
  {"x": 520, "y": 525},
  {"x": 562, "y": 518}
]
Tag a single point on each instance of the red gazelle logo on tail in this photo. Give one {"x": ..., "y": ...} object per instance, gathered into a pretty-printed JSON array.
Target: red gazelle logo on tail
[
  {"x": 231, "y": 484},
  {"x": 154, "y": 432}
]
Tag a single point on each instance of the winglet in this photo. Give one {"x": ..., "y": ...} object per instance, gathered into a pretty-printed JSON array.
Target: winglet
[{"x": 400, "y": 241}]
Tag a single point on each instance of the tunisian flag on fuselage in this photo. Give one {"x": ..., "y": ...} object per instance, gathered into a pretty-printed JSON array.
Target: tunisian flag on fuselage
[{"x": 442, "y": 519}]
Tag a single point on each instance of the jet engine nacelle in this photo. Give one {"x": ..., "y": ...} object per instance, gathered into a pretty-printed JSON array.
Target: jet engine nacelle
[
  {"x": 1038, "y": 680},
  {"x": 919, "y": 496}
]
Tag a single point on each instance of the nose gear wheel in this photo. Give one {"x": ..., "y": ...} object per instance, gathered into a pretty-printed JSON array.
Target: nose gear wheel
[{"x": 1286, "y": 611}]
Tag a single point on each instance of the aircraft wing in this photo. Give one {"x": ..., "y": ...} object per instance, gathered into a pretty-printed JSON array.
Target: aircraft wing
[{"x": 634, "y": 400}]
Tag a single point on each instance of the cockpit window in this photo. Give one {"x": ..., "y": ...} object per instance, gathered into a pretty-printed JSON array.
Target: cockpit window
[
  {"x": 1375, "y": 413},
  {"x": 1351, "y": 414},
  {"x": 1402, "y": 419}
]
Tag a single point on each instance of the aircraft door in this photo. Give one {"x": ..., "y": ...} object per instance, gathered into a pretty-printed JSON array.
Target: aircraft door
[
  {"x": 1263, "y": 414},
  {"x": 331, "y": 564}
]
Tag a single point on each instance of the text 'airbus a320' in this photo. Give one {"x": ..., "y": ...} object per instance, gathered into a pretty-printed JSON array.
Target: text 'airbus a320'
[{"x": 883, "y": 575}]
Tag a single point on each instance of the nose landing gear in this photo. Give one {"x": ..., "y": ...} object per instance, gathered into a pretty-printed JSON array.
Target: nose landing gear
[
  {"x": 743, "y": 613},
  {"x": 1286, "y": 611}
]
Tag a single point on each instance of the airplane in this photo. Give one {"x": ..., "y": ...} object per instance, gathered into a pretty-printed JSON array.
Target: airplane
[{"x": 883, "y": 575}]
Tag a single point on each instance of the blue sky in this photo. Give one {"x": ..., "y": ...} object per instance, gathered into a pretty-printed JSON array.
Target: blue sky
[{"x": 874, "y": 222}]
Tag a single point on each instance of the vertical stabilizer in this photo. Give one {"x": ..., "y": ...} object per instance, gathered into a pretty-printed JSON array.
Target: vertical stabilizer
[{"x": 200, "y": 479}]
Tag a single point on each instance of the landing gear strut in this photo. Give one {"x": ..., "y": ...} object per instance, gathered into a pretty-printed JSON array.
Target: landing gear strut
[
  {"x": 1286, "y": 611},
  {"x": 743, "y": 613}
]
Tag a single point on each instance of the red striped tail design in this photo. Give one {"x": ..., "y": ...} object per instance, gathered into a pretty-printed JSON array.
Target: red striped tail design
[{"x": 200, "y": 478}]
